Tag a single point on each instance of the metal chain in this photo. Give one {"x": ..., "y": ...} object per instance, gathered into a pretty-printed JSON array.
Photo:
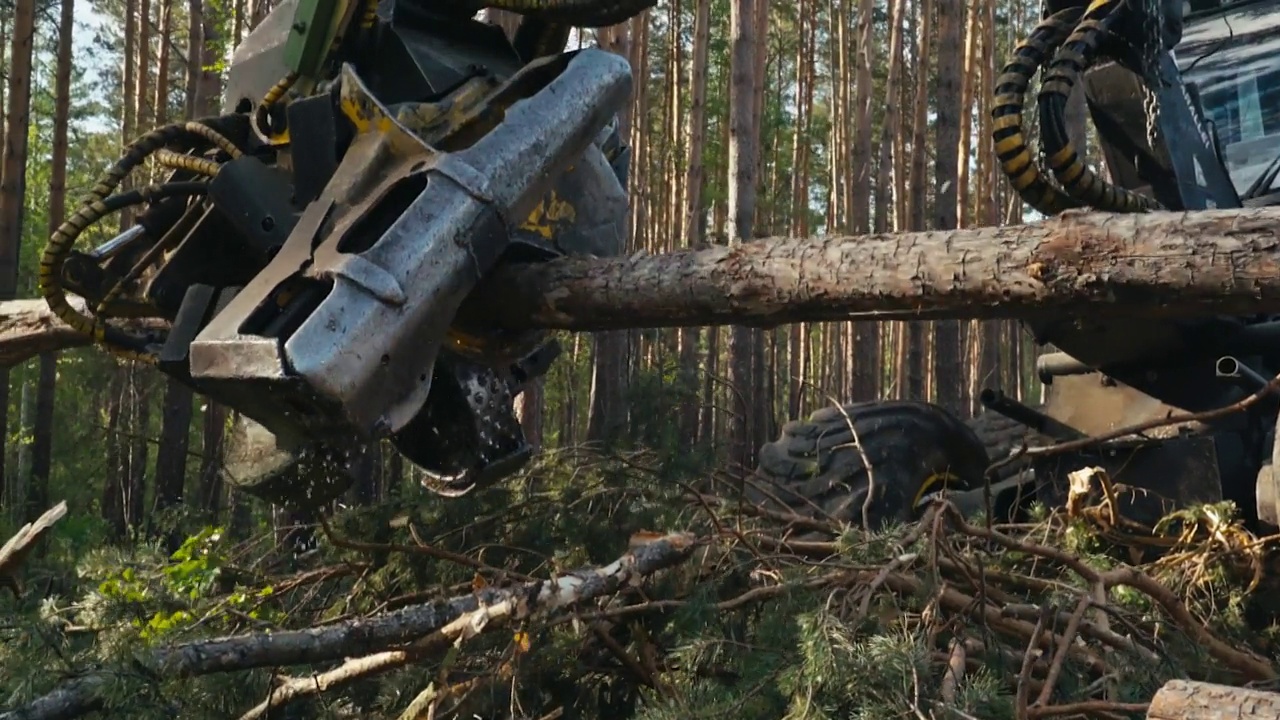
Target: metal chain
[{"x": 1152, "y": 45}]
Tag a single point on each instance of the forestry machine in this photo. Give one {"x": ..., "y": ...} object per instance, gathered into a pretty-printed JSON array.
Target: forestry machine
[
  {"x": 307, "y": 253},
  {"x": 1185, "y": 101}
]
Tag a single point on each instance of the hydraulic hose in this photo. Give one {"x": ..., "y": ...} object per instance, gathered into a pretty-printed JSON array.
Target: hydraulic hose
[
  {"x": 189, "y": 163},
  {"x": 262, "y": 114},
  {"x": 99, "y": 203},
  {"x": 1016, "y": 159},
  {"x": 59, "y": 247},
  {"x": 1069, "y": 63}
]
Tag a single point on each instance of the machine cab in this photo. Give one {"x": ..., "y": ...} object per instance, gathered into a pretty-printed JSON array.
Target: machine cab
[{"x": 1229, "y": 59}]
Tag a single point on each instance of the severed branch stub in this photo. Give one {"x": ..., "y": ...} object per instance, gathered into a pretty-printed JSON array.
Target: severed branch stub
[
  {"x": 1150, "y": 264},
  {"x": 368, "y": 639},
  {"x": 1190, "y": 700},
  {"x": 16, "y": 549}
]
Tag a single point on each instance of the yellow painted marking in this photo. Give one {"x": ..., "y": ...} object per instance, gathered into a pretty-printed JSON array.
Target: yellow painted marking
[{"x": 928, "y": 484}]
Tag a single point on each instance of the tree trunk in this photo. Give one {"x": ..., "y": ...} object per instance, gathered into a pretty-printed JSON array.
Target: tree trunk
[
  {"x": 693, "y": 210},
  {"x": 140, "y": 384},
  {"x": 1159, "y": 264},
  {"x": 1152, "y": 264},
  {"x": 113, "y": 495},
  {"x": 865, "y": 378},
  {"x": 171, "y": 455},
  {"x": 742, "y": 201},
  {"x": 947, "y": 363},
  {"x": 1190, "y": 700},
  {"x": 606, "y": 411},
  {"x": 211, "y": 443},
  {"x": 916, "y": 379},
  {"x": 13, "y": 178},
  {"x": 42, "y": 445}
]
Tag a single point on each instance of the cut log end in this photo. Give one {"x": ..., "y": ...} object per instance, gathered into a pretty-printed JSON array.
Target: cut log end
[{"x": 1189, "y": 700}]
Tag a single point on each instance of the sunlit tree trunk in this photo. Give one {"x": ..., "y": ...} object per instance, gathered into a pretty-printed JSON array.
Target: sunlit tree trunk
[
  {"x": 13, "y": 168},
  {"x": 46, "y": 386},
  {"x": 693, "y": 214}
]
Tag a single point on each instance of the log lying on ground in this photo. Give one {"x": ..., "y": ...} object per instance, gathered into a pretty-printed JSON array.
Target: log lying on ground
[
  {"x": 366, "y": 636},
  {"x": 1188, "y": 700},
  {"x": 1215, "y": 261}
]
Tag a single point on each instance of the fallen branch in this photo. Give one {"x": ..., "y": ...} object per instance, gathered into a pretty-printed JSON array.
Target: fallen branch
[
  {"x": 368, "y": 638},
  {"x": 17, "y": 548},
  {"x": 1204, "y": 262},
  {"x": 1188, "y": 700}
]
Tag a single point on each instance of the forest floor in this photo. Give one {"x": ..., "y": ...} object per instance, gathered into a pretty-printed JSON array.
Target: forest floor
[{"x": 598, "y": 586}]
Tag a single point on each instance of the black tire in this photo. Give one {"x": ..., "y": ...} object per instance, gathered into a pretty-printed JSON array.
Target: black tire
[
  {"x": 915, "y": 448},
  {"x": 1000, "y": 435}
]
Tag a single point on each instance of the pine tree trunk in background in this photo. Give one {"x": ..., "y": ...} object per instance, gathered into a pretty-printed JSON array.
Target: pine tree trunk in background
[
  {"x": 528, "y": 409},
  {"x": 970, "y": 84},
  {"x": 171, "y": 455},
  {"x": 113, "y": 489},
  {"x": 160, "y": 105},
  {"x": 195, "y": 35},
  {"x": 143, "y": 112},
  {"x": 798, "y": 340},
  {"x": 13, "y": 179},
  {"x": 917, "y": 350},
  {"x": 129, "y": 121},
  {"x": 365, "y": 491},
  {"x": 989, "y": 364},
  {"x": 139, "y": 446},
  {"x": 606, "y": 413},
  {"x": 13, "y": 184},
  {"x": 692, "y": 209},
  {"x": 211, "y": 487},
  {"x": 759, "y": 399},
  {"x": 889, "y": 196},
  {"x": 209, "y": 90},
  {"x": 742, "y": 190},
  {"x": 948, "y": 354},
  {"x": 257, "y": 12},
  {"x": 46, "y": 387},
  {"x": 865, "y": 383}
]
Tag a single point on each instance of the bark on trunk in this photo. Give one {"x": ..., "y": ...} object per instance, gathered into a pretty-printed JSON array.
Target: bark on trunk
[
  {"x": 1156, "y": 264},
  {"x": 1189, "y": 700}
]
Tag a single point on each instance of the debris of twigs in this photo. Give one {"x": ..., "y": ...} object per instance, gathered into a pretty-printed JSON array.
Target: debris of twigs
[
  {"x": 1079, "y": 613},
  {"x": 413, "y": 631},
  {"x": 1047, "y": 606}
]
